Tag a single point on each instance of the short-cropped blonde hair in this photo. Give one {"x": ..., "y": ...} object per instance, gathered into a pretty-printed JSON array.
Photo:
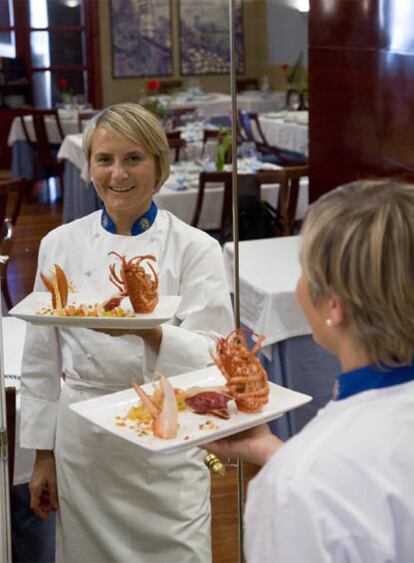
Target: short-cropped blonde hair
[
  {"x": 358, "y": 242},
  {"x": 140, "y": 126}
]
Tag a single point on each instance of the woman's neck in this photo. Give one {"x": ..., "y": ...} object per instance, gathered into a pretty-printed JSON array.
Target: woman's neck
[{"x": 352, "y": 356}]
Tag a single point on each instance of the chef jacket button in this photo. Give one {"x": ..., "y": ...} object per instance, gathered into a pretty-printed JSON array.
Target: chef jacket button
[
  {"x": 87, "y": 273},
  {"x": 140, "y": 355},
  {"x": 89, "y": 356}
]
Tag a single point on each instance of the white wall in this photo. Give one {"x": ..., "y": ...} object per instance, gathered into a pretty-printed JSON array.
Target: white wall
[{"x": 287, "y": 31}]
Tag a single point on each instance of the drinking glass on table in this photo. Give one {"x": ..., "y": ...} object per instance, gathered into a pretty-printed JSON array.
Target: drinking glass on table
[{"x": 80, "y": 102}]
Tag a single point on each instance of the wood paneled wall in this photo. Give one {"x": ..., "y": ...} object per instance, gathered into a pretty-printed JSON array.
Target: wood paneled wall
[{"x": 361, "y": 56}]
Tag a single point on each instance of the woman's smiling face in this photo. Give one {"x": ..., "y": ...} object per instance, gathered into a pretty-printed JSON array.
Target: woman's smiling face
[{"x": 123, "y": 172}]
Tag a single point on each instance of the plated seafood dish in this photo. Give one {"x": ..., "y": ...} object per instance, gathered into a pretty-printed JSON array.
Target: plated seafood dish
[
  {"x": 246, "y": 390},
  {"x": 204, "y": 410},
  {"x": 132, "y": 280}
]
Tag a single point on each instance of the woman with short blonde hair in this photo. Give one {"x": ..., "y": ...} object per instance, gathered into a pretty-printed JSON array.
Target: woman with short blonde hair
[
  {"x": 342, "y": 488},
  {"x": 116, "y": 501},
  {"x": 358, "y": 242},
  {"x": 140, "y": 126}
]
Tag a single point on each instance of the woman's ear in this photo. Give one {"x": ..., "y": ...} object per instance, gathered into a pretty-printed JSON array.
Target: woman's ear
[{"x": 337, "y": 311}]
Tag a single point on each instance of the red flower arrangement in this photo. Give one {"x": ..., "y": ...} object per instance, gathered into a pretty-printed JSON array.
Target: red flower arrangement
[
  {"x": 63, "y": 85},
  {"x": 153, "y": 85}
]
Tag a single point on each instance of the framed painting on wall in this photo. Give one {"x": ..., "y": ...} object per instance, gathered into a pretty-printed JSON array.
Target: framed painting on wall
[
  {"x": 204, "y": 37},
  {"x": 141, "y": 38}
]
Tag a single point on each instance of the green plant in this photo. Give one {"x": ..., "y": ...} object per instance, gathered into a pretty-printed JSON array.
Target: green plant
[
  {"x": 296, "y": 75},
  {"x": 156, "y": 107},
  {"x": 223, "y": 148}
]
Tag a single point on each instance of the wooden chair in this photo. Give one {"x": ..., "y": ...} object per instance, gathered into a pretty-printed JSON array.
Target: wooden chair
[
  {"x": 223, "y": 178},
  {"x": 243, "y": 84},
  {"x": 208, "y": 135},
  {"x": 178, "y": 115},
  {"x": 176, "y": 144},
  {"x": 289, "y": 179},
  {"x": 6, "y": 241},
  {"x": 250, "y": 130},
  {"x": 45, "y": 163},
  {"x": 84, "y": 117},
  {"x": 18, "y": 190},
  {"x": 167, "y": 86},
  {"x": 11, "y": 430}
]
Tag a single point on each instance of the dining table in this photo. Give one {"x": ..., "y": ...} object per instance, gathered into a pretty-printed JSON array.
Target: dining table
[
  {"x": 178, "y": 195},
  {"x": 260, "y": 101},
  {"x": 269, "y": 270},
  {"x": 212, "y": 104},
  {"x": 22, "y": 153},
  {"x": 286, "y": 130}
]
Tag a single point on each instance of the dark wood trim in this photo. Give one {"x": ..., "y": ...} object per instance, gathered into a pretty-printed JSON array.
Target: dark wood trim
[
  {"x": 93, "y": 52},
  {"x": 60, "y": 68},
  {"x": 59, "y": 28}
]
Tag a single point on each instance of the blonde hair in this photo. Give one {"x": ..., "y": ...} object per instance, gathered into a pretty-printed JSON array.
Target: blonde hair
[
  {"x": 140, "y": 126},
  {"x": 358, "y": 242}
]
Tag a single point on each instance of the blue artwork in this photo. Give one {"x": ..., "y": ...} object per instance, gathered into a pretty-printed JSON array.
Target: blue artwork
[
  {"x": 141, "y": 38},
  {"x": 204, "y": 37}
]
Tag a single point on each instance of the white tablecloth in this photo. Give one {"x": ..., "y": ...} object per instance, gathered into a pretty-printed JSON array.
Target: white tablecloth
[
  {"x": 269, "y": 271},
  {"x": 259, "y": 102},
  {"x": 289, "y": 131},
  {"x": 71, "y": 150},
  {"x": 213, "y": 104},
  {"x": 68, "y": 120},
  {"x": 207, "y": 105},
  {"x": 14, "y": 331}
]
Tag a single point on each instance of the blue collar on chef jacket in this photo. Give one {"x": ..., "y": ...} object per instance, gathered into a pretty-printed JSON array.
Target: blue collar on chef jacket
[
  {"x": 141, "y": 225},
  {"x": 370, "y": 377}
]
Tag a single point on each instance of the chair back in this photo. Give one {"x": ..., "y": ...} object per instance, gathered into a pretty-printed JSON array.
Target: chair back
[
  {"x": 243, "y": 84},
  {"x": 6, "y": 242},
  {"x": 167, "y": 86},
  {"x": 289, "y": 180},
  {"x": 11, "y": 430},
  {"x": 219, "y": 177},
  {"x": 19, "y": 189},
  {"x": 4, "y": 198},
  {"x": 176, "y": 144},
  {"x": 177, "y": 116},
  {"x": 208, "y": 135},
  {"x": 84, "y": 117},
  {"x": 41, "y": 143},
  {"x": 250, "y": 127}
]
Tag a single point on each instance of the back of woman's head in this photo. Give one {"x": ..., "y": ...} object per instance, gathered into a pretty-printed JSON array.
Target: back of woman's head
[
  {"x": 137, "y": 124},
  {"x": 358, "y": 242}
]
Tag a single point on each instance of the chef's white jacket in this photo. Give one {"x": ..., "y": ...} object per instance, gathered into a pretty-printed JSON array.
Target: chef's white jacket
[
  {"x": 342, "y": 490},
  {"x": 117, "y": 502}
]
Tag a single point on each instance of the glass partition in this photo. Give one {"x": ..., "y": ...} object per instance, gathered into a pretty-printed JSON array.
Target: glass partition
[
  {"x": 5, "y": 538},
  {"x": 272, "y": 87}
]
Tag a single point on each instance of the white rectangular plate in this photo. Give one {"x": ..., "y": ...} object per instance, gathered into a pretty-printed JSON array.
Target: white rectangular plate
[
  {"x": 27, "y": 308},
  {"x": 103, "y": 411}
]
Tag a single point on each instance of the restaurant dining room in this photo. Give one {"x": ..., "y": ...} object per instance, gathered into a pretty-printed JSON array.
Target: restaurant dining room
[{"x": 236, "y": 383}]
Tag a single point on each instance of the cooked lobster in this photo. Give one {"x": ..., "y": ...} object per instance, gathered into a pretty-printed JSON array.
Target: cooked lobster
[
  {"x": 133, "y": 281},
  {"x": 246, "y": 378}
]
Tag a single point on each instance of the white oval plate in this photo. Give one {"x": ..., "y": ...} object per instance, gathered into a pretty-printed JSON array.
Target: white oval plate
[
  {"x": 28, "y": 308},
  {"x": 103, "y": 411}
]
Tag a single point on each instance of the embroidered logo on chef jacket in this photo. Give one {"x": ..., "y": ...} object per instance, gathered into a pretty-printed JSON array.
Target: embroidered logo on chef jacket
[
  {"x": 141, "y": 225},
  {"x": 144, "y": 223}
]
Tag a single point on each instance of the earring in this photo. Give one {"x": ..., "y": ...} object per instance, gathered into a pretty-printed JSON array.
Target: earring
[{"x": 328, "y": 322}]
